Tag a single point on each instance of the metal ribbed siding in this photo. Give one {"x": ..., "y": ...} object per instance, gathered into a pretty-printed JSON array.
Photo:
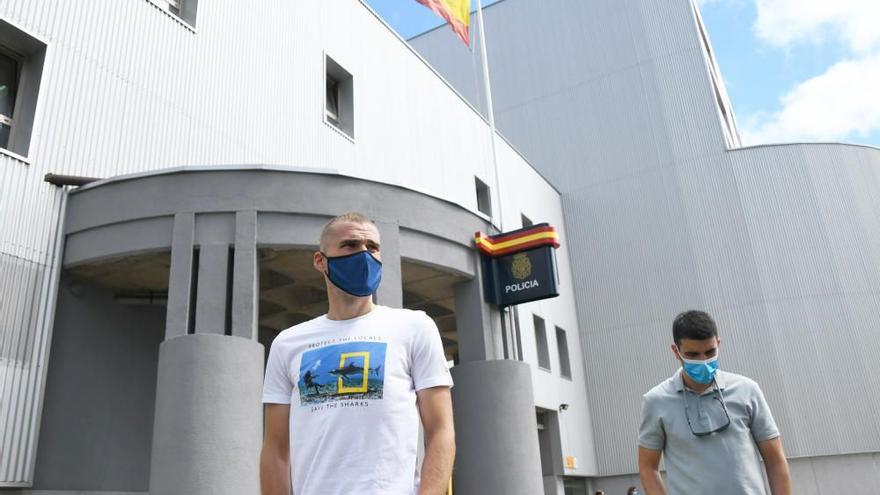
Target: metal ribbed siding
[
  {"x": 24, "y": 288},
  {"x": 780, "y": 243},
  {"x": 127, "y": 88}
]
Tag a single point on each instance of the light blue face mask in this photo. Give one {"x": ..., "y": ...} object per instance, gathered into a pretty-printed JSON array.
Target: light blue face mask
[
  {"x": 358, "y": 274},
  {"x": 701, "y": 371}
]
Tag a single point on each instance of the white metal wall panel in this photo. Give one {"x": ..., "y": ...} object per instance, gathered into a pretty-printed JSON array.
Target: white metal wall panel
[
  {"x": 128, "y": 88},
  {"x": 613, "y": 102}
]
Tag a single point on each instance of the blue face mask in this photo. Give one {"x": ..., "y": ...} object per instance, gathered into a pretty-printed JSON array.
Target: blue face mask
[
  {"x": 702, "y": 372},
  {"x": 358, "y": 274}
]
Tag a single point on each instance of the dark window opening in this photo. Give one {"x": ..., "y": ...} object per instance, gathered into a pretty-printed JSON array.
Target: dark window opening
[
  {"x": 484, "y": 201},
  {"x": 562, "y": 347},
  {"x": 338, "y": 97},
  {"x": 541, "y": 343}
]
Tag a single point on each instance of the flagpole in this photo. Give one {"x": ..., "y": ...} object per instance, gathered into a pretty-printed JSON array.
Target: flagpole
[
  {"x": 487, "y": 87},
  {"x": 506, "y": 313}
]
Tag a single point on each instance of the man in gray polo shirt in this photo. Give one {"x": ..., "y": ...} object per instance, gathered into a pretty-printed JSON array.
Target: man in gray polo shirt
[{"x": 709, "y": 424}]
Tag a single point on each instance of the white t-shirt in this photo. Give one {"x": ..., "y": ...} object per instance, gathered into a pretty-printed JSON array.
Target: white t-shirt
[{"x": 351, "y": 386}]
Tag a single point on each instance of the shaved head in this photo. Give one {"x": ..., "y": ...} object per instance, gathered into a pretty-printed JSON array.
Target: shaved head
[{"x": 347, "y": 218}]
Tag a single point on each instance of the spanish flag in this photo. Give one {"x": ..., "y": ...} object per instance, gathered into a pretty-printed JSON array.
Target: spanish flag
[{"x": 456, "y": 12}]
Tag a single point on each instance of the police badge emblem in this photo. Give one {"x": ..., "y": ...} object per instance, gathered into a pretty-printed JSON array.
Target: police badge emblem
[{"x": 521, "y": 266}]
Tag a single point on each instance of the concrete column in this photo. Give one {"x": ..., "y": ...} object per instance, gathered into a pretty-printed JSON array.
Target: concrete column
[
  {"x": 212, "y": 289},
  {"x": 245, "y": 283},
  {"x": 477, "y": 323},
  {"x": 207, "y": 427},
  {"x": 390, "y": 292},
  {"x": 495, "y": 429},
  {"x": 180, "y": 276}
]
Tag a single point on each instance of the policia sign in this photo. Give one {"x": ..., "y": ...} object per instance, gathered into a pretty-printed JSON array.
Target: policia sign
[{"x": 519, "y": 266}]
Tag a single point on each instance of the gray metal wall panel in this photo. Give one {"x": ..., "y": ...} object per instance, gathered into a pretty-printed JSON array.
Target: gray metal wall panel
[{"x": 615, "y": 106}]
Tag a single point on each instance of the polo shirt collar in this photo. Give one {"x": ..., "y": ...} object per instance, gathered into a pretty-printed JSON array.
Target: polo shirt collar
[{"x": 678, "y": 383}]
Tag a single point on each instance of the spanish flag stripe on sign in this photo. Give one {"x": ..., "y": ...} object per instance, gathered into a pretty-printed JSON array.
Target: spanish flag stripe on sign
[
  {"x": 517, "y": 241},
  {"x": 456, "y": 12},
  {"x": 520, "y": 233},
  {"x": 495, "y": 246},
  {"x": 522, "y": 247}
]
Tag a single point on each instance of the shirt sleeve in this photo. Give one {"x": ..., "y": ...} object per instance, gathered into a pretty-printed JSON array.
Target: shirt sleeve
[
  {"x": 277, "y": 386},
  {"x": 652, "y": 435},
  {"x": 429, "y": 368},
  {"x": 763, "y": 425}
]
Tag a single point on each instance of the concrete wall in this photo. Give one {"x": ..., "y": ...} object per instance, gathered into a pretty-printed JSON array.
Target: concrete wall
[
  {"x": 497, "y": 449},
  {"x": 98, "y": 412},
  {"x": 129, "y": 215}
]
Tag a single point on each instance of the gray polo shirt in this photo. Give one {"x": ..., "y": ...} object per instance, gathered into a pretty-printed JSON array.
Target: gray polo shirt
[{"x": 724, "y": 463}]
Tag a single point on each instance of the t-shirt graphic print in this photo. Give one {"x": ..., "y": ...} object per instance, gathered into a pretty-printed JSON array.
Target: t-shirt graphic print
[
  {"x": 351, "y": 371},
  {"x": 351, "y": 386}
]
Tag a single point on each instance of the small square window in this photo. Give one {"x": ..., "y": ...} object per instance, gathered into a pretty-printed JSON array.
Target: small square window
[
  {"x": 21, "y": 70},
  {"x": 541, "y": 343},
  {"x": 338, "y": 97},
  {"x": 484, "y": 199},
  {"x": 562, "y": 347}
]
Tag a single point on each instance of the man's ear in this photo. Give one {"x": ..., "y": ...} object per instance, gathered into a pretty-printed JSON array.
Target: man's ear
[
  {"x": 319, "y": 262},
  {"x": 675, "y": 352}
]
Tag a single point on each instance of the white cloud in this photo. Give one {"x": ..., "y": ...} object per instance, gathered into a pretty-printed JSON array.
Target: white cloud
[
  {"x": 785, "y": 22},
  {"x": 839, "y": 104}
]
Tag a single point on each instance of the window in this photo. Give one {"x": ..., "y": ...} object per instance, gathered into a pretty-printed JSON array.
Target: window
[
  {"x": 526, "y": 221},
  {"x": 338, "y": 97},
  {"x": 562, "y": 345},
  {"x": 541, "y": 343},
  {"x": 21, "y": 69},
  {"x": 484, "y": 201},
  {"x": 9, "y": 69},
  {"x": 173, "y": 6},
  {"x": 185, "y": 10},
  {"x": 332, "y": 104}
]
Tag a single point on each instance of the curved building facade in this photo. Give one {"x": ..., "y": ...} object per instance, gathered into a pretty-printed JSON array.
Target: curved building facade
[
  {"x": 621, "y": 106},
  {"x": 227, "y": 251}
]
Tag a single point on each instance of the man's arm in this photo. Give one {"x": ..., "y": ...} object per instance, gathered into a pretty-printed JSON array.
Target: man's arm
[
  {"x": 435, "y": 409},
  {"x": 776, "y": 465},
  {"x": 649, "y": 471},
  {"x": 275, "y": 456}
]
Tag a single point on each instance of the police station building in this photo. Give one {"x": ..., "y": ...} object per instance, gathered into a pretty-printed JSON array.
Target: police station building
[{"x": 168, "y": 165}]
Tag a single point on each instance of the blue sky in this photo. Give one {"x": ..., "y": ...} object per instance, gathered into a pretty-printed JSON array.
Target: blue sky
[{"x": 795, "y": 70}]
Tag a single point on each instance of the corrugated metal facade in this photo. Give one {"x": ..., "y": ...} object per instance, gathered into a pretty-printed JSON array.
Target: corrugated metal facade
[
  {"x": 613, "y": 101},
  {"x": 128, "y": 88}
]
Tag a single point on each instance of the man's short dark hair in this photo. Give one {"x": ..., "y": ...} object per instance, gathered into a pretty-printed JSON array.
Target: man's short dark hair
[{"x": 693, "y": 325}]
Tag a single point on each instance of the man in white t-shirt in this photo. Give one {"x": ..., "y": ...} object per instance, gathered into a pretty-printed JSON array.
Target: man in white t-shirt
[{"x": 344, "y": 392}]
